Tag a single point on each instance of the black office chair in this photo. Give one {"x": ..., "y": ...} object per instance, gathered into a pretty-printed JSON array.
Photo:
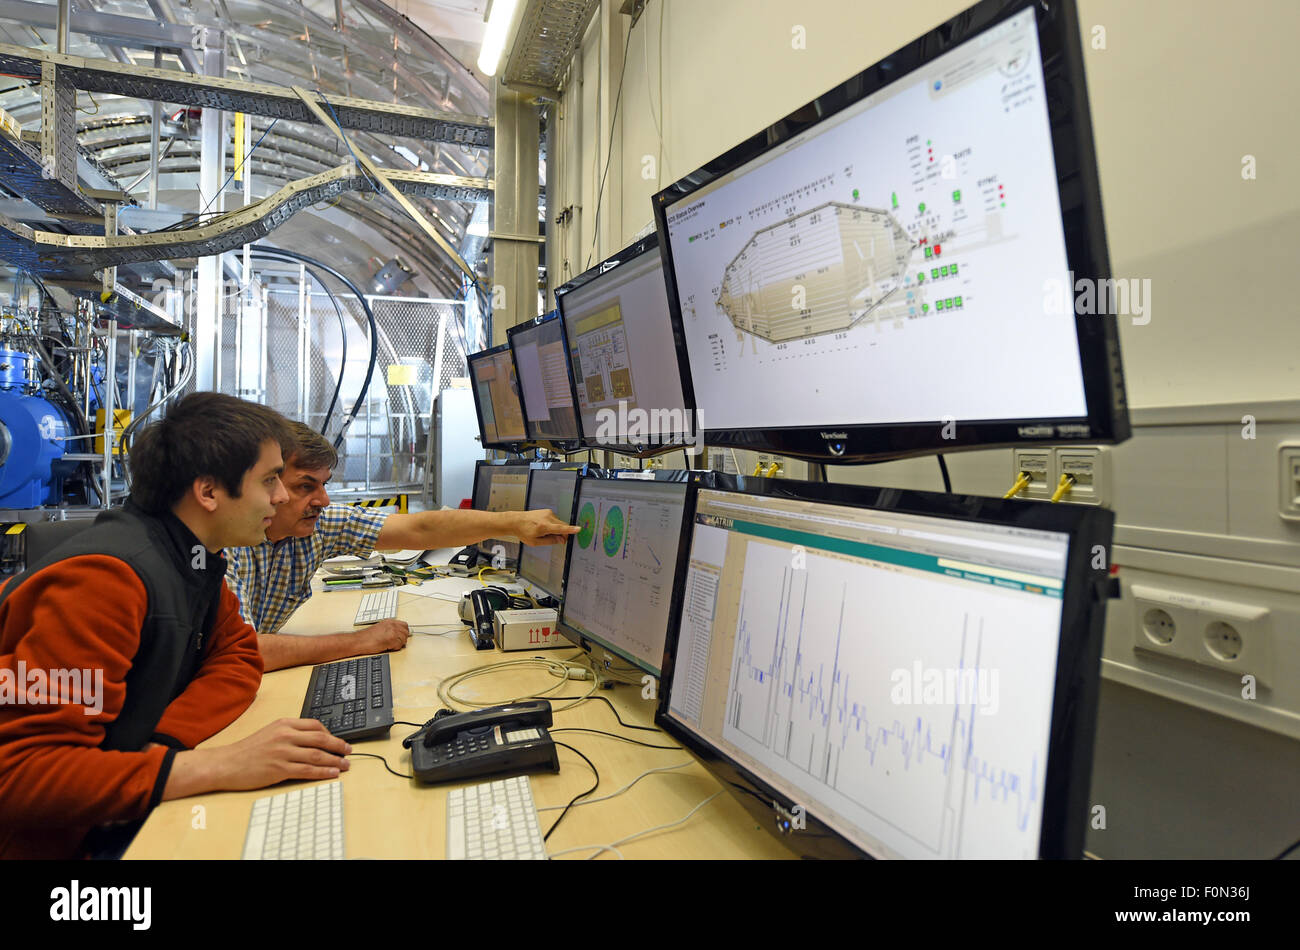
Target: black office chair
[{"x": 44, "y": 536}]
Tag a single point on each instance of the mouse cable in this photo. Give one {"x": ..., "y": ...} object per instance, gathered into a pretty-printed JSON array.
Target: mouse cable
[
  {"x": 371, "y": 755},
  {"x": 595, "y": 786},
  {"x": 625, "y": 725},
  {"x": 613, "y": 846},
  {"x": 615, "y": 735},
  {"x": 605, "y": 798}
]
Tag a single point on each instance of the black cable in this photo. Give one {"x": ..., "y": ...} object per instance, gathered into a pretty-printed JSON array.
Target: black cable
[
  {"x": 605, "y": 700},
  {"x": 343, "y": 363},
  {"x": 600, "y": 194},
  {"x": 371, "y": 755},
  {"x": 1287, "y": 851},
  {"x": 615, "y": 735},
  {"x": 575, "y": 798},
  {"x": 370, "y": 319},
  {"x": 943, "y": 470}
]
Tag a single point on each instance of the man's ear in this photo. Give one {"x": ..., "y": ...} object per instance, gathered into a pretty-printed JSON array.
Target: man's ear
[{"x": 204, "y": 491}]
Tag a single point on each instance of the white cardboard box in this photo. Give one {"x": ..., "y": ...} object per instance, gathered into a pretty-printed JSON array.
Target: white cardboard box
[{"x": 527, "y": 630}]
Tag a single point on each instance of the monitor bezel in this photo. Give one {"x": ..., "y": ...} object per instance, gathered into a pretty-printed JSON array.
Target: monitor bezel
[
  {"x": 652, "y": 447},
  {"x": 566, "y": 446},
  {"x": 1067, "y": 777},
  {"x": 585, "y": 641},
  {"x": 1106, "y": 420},
  {"x": 470, "y": 361},
  {"x": 578, "y": 473}
]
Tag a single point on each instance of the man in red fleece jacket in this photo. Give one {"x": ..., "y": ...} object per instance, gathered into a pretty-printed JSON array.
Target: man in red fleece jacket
[{"x": 123, "y": 649}]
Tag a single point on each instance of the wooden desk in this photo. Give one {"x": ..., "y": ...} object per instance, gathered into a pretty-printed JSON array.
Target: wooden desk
[{"x": 390, "y": 817}]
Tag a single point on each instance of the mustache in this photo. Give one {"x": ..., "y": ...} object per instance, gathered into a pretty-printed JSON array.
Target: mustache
[{"x": 313, "y": 512}]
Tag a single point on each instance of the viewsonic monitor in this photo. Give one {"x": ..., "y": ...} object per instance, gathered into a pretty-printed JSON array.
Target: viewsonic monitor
[
  {"x": 623, "y": 356},
  {"x": 913, "y": 262},
  {"x": 621, "y": 568},
  {"x": 892, "y": 673},
  {"x": 496, "y": 399},
  {"x": 546, "y": 392}
]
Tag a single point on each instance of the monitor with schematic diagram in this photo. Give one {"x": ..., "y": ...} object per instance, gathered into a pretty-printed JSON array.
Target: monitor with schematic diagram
[{"x": 874, "y": 275}]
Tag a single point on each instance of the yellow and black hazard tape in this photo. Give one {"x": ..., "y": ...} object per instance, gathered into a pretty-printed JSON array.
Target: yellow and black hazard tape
[{"x": 400, "y": 502}]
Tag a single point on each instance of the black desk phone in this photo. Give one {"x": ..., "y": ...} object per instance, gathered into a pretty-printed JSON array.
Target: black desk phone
[{"x": 511, "y": 738}]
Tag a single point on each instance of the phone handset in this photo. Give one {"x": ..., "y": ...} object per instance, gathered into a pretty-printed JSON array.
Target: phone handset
[{"x": 536, "y": 712}]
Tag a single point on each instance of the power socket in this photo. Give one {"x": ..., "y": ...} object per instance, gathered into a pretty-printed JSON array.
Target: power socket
[
  {"x": 1039, "y": 464},
  {"x": 1289, "y": 481},
  {"x": 1203, "y": 630}
]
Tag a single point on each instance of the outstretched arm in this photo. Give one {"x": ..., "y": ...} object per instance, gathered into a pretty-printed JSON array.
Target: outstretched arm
[{"x": 455, "y": 528}]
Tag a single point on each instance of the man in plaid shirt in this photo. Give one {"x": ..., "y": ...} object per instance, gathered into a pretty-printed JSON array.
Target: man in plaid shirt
[{"x": 273, "y": 578}]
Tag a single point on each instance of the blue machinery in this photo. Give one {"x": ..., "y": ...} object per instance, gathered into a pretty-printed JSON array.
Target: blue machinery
[
  {"x": 33, "y": 435},
  {"x": 61, "y": 376}
]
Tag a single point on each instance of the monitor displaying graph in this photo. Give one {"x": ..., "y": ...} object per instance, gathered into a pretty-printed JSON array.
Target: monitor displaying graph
[
  {"x": 893, "y": 673},
  {"x": 621, "y": 567}
]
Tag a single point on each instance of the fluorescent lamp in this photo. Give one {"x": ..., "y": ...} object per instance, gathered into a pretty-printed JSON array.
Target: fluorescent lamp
[
  {"x": 477, "y": 228},
  {"x": 497, "y": 35}
]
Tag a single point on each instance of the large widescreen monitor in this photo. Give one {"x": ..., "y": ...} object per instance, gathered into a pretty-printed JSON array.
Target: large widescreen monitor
[
  {"x": 545, "y": 389},
  {"x": 902, "y": 674},
  {"x": 913, "y": 262},
  {"x": 622, "y": 355},
  {"x": 496, "y": 398},
  {"x": 622, "y": 565}
]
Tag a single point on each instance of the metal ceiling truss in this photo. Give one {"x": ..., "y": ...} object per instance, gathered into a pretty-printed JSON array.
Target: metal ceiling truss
[
  {"x": 235, "y": 95},
  {"x": 45, "y": 251}
]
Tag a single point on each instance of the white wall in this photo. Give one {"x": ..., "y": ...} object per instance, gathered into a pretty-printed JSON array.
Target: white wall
[{"x": 1182, "y": 91}]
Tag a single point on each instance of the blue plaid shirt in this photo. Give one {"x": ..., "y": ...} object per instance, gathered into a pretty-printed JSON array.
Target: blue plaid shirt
[{"x": 272, "y": 579}]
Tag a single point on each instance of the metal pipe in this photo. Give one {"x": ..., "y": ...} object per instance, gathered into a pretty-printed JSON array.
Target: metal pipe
[
  {"x": 64, "y": 25},
  {"x": 155, "y": 116},
  {"x": 110, "y": 389}
]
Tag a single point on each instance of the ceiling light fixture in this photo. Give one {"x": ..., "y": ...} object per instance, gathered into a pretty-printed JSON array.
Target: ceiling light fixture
[{"x": 500, "y": 30}]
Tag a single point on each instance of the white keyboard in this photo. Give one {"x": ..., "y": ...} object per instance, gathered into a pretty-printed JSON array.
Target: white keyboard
[
  {"x": 381, "y": 605},
  {"x": 495, "y": 820},
  {"x": 304, "y": 824}
]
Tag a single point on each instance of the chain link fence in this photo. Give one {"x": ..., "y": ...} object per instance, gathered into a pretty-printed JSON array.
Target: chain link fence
[{"x": 287, "y": 344}]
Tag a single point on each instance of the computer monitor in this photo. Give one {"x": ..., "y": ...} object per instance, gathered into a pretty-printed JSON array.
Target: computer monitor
[
  {"x": 893, "y": 673},
  {"x": 496, "y": 399},
  {"x": 892, "y": 269},
  {"x": 543, "y": 565},
  {"x": 621, "y": 567},
  {"x": 500, "y": 486},
  {"x": 623, "y": 358},
  {"x": 546, "y": 391}
]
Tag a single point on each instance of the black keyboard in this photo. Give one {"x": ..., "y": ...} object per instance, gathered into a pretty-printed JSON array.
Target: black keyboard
[{"x": 353, "y": 698}]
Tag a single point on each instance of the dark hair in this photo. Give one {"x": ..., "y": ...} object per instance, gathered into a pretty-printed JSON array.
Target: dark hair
[
  {"x": 205, "y": 434},
  {"x": 311, "y": 450}
]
